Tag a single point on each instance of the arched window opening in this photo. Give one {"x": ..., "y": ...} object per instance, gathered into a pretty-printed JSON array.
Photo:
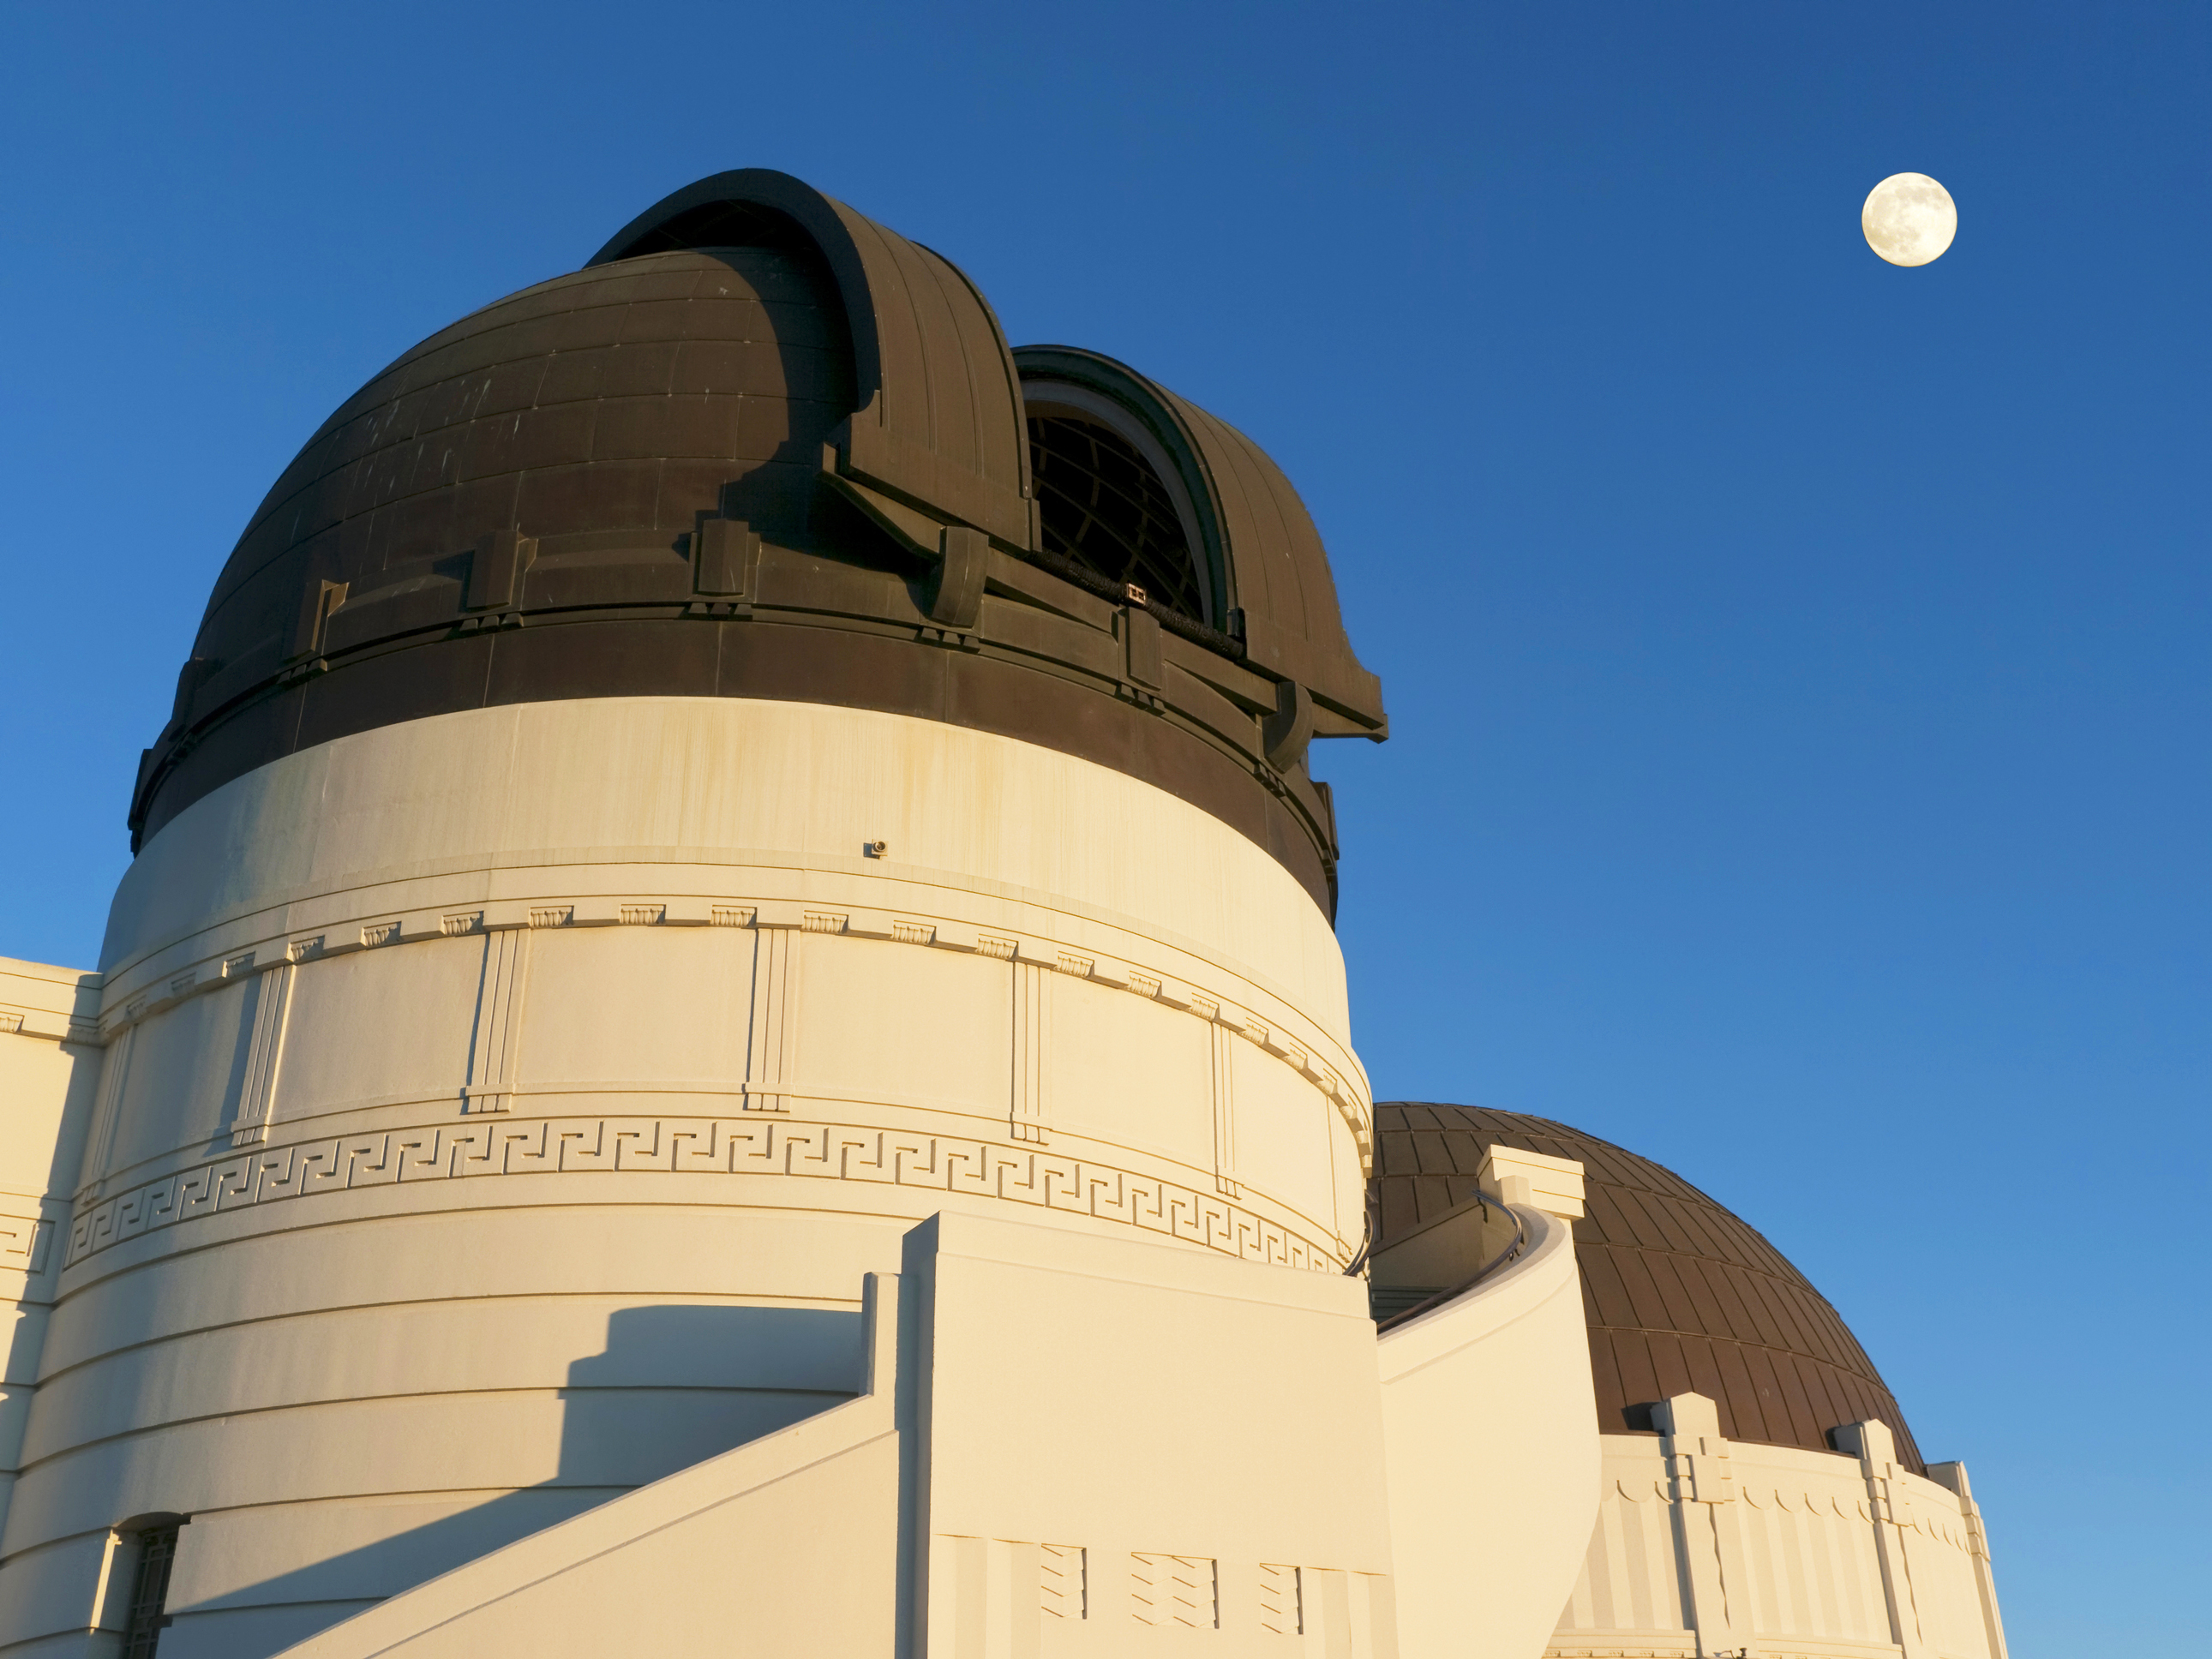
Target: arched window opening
[{"x": 1102, "y": 505}]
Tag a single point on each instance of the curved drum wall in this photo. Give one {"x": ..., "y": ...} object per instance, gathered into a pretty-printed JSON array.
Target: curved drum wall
[
  {"x": 501, "y": 1109},
  {"x": 1799, "y": 1539}
]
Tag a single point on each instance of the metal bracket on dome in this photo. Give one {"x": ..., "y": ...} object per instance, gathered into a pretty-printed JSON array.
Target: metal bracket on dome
[
  {"x": 1286, "y": 733},
  {"x": 961, "y": 552},
  {"x": 317, "y": 600},
  {"x": 956, "y": 599},
  {"x": 917, "y": 532},
  {"x": 725, "y": 558},
  {"x": 495, "y": 566}
]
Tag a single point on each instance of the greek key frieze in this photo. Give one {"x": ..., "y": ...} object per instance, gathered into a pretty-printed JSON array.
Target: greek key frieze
[{"x": 478, "y": 1148}]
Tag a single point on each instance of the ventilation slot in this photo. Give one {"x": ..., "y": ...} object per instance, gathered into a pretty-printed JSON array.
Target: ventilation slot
[{"x": 149, "y": 1592}]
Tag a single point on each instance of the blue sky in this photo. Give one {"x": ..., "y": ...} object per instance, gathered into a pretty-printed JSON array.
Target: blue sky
[{"x": 1797, "y": 666}]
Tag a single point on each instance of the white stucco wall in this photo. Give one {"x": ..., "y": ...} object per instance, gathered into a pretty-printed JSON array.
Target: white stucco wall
[
  {"x": 1493, "y": 1455},
  {"x": 501, "y": 1110},
  {"x": 1107, "y": 1447},
  {"x": 1705, "y": 1545},
  {"x": 49, "y": 1069},
  {"x": 477, "y": 1141}
]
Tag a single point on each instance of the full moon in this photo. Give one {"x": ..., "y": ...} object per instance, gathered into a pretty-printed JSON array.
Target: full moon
[{"x": 1909, "y": 219}]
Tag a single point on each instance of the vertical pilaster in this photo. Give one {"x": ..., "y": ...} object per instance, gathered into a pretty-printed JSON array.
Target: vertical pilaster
[
  {"x": 773, "y": 1032},
  {"x": 109, "y": 1613},
  {"x": 1954, "y": 1475},
  {"x": 265, "y": 1055},
  {"x": 1891, "y": 1506},
  {"x": 99, "y": 1142},
  {"x": 1032, "y": 1029},
  {"x": 1701, "y": 1495},
  {"x": 1225, "y": 1110},
  {"x": 496, "y": 1043}
]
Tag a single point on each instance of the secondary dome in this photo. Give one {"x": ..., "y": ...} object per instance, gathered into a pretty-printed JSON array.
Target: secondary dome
[
  {"x": 763, "y": 446},
  {"x": 1680, "y": 1294}
]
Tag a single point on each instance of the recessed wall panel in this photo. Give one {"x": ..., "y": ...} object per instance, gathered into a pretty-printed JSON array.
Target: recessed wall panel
[
  {"x": 1282, "y": 1135},
  {"x": 878, "y": 1021},
  {"x": 1129, "y": 1072},
  {"x": 186, "y": 1067},
  {"x": 616, "y": 1005},
  {"x": 380, "y": 1024}
]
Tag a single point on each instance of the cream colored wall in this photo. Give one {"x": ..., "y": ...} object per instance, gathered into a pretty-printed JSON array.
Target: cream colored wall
[
  {"x": 1127, "y": 1447},
  {"x": 501, "y": 1110},
  {"x": 49, "y": 1066},
  {"x": 1111, "y": 1448},
  {"x": 726, "y": 1555},
  {"x": 1967, "y": 1608},
  {"x": 1705, "y": 1546},
  {"x": 1077, "y": 959},
  {"x": 1494, "y": 1457},
  {"x": 668, "y": 779}
]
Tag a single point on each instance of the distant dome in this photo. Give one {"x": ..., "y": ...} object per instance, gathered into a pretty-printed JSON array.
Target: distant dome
[
  {"x": 763, "y": 446},
  {"x": 1681, "y": 1294}
]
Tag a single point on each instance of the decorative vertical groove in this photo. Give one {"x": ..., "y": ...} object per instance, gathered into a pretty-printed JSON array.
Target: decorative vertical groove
[
  {"x": 496, "y": 1043},
  {"x": 971, "y": 1591},
  {"x": 464, "y": 923},
  {"x": 264, "y": 1058},
  {"x": 1032, "y": 1022},
  {"x": 772, "y": 1037},
  {"x": 1023, "y": 1598},
  {"x": 1224, "y": 1055},
  {"x": 114, "y": 1070}
]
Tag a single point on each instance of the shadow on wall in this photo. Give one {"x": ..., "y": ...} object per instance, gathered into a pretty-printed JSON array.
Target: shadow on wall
[
  {"x": 676, "y": 1385},
  {"x": 23, "y": 1339}
]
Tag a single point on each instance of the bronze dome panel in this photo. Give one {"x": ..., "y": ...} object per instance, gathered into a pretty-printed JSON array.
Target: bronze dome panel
[
  {"x": 1680, "y": 1294},
  {"x": 937, "y": 409},
  {"x": 599, "y": 418},
  {"x": 791, "y": 464},
  {"x": 608, "y": 402}
]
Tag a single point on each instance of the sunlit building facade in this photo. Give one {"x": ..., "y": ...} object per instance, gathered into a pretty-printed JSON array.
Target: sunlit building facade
[{"x": 725, "y": 1035}]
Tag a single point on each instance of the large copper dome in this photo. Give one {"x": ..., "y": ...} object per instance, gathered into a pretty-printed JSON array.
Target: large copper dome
[
  {"x": 763, "y": 446},
  {"x": 1681, "y": 1294}
]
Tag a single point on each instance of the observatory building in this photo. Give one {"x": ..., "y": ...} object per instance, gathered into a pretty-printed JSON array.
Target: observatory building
[{"x": 726, "y": 1036}]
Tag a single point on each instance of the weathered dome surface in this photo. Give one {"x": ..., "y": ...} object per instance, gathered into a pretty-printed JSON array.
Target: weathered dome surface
[
  {"x": 761, "y": 446},
  {"x": 1679, "y": 1294}
]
